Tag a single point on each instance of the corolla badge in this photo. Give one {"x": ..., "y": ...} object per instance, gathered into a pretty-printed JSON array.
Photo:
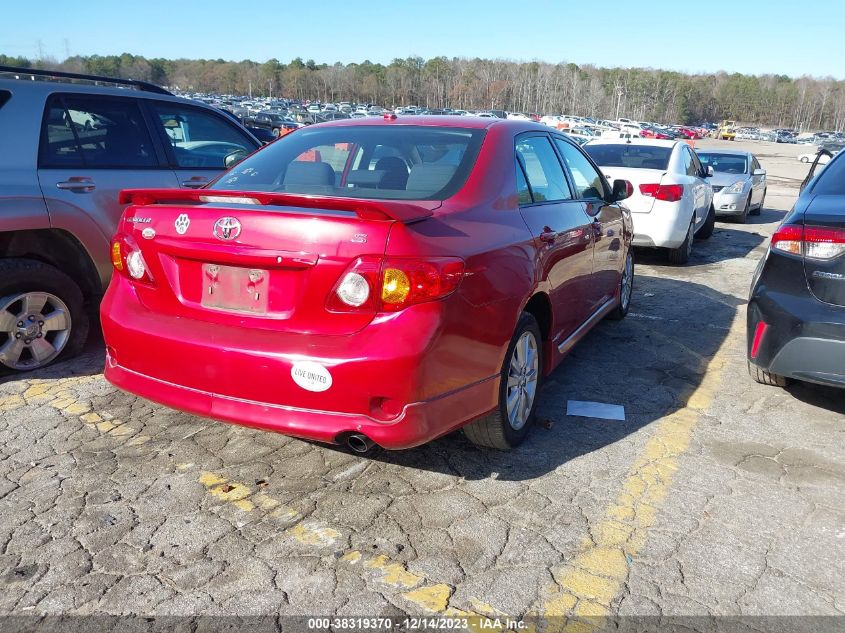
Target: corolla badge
[
  {"x": 182, "y": 223},
  {"x": 227, "y": 228}
]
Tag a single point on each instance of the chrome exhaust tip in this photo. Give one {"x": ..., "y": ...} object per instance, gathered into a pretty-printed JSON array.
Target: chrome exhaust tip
[{"x": 359, "y": 443}]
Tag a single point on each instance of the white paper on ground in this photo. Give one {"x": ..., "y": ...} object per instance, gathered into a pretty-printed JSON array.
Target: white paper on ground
[{"x": 595, "y": 410}]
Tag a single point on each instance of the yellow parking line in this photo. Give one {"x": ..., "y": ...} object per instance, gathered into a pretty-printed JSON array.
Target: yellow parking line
[
  {"x": 586, "y": 586},
  {"x": 414, "y": 588}
]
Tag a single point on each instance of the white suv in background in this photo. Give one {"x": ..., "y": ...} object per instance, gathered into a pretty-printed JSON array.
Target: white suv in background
[{"x": 672, "y": 202}]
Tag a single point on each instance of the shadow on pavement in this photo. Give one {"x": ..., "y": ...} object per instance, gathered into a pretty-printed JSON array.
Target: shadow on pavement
[
  {"x": 767, "y": 216},
  {"x": 649, "y": 363},
  {"x": 821, "y": 396},
  {"x": 726, "y": 243}
]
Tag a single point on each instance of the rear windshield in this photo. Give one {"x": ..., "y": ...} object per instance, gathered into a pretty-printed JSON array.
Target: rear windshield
[
  {"x": 725, "y": 163},
  {"x": 377, "y": 162},
  {"x": 831, "y": 181},
  {"x": 629, "y": 155}
]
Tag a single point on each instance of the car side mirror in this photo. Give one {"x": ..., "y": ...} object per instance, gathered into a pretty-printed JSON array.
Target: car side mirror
[
  {"x": 233, "y": 158},
  {"x": 708, "y": 173},
  {"x": 759, "y": 172},
  {"x": 622, "y": 189}
]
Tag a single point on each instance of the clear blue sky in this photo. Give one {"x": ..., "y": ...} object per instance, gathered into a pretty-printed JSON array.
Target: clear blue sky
[{"x": 787, "y": 37}]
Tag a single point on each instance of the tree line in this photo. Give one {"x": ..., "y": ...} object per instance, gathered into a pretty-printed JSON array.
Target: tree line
[{"x": 483, "y": 84}]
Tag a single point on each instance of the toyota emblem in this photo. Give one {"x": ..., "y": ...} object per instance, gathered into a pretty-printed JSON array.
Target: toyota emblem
[{"x": 227, "y": 228}]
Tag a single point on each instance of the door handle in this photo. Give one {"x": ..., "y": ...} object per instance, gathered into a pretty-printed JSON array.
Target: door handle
[
  {"x": 549, "y": 236},
  {"x": 77, "y": 184},
  {"x": 195, "y": 182}
]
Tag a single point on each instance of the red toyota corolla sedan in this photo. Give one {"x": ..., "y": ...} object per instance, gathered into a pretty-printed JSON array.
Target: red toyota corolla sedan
[{"x": 371, "y": 281}]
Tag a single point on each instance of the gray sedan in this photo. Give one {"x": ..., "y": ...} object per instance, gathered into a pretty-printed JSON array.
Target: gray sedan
[{"x": 739, "y": 183}]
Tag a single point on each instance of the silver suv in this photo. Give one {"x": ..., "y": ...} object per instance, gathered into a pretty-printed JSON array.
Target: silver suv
[{"x": 71, "y": 143}]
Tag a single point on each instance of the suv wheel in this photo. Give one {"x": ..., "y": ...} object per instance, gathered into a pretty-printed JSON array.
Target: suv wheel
[
  {"x": 508, "y": 425},
  {"x": 41, "y": 315}
]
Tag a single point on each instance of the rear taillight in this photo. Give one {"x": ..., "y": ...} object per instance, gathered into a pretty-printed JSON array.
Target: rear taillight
[
  {"x": 667, "y": 193},
  {"x": 128, "y": 260},
  {"x": 811, "y": 241},
  {"x": 823, "y": 243},
  {"x": 387, "y": 285},
  {"x": 789, "y": 239},
  {"x": 409, "y": 281}
]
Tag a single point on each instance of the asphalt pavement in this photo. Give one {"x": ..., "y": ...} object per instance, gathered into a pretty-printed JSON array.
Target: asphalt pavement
[{"x": 715, "y": 496}]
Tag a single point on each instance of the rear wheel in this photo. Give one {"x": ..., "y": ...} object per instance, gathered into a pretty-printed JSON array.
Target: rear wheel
[
  {"x": 507, "y": 426},
  {"x": 626, "y": 288},
  {"x": 41, "y": 315},
  {"x": 276, "y": 131},
  {"x": 766, "y": 378},
  {"x": 706, "y": 229},
  {"x": 682, "y": 254}
]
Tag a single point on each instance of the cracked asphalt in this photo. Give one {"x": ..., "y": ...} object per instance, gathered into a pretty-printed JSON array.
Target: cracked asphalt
[{"x": 715, "y": 496}]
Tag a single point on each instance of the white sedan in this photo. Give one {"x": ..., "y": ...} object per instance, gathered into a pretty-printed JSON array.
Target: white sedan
[
  {"x": 672, "y": 202},
  {"x": 809, "y": 158}
]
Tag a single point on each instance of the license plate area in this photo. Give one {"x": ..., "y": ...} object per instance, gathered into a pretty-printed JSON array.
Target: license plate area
[{"x": 235, "y": 289}]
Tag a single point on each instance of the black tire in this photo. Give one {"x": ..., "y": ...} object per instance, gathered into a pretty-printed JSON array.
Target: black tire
[
  {"x": 759, "y": 208},
  {"x": 766, "y": 378},
  {"x": 494, "y": 430},
  {"x": 25, "y": 275},
  {"x": 681, "y": 255},
  {"x": 621, "y": 310},
  {"x": 706, "y": 230}
]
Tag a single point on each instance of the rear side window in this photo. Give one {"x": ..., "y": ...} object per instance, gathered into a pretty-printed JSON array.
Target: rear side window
[
  {"x": 401, "y": 162},
  {"x": 200, "y": 139},
  {"x": 95, "y": 132},
  {"x": 543, "y": 169},
  {"x": 588, "y": 181},
  {"x": 629, "y": 155},
  {"x": 522, "y": 190},
  {"x": 831, "y": 181}
]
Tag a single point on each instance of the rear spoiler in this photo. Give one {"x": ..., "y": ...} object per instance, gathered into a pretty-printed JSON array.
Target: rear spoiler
[{"x": 400, "y": 210}]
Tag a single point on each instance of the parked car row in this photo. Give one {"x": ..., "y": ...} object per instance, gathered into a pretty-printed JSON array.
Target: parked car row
[{"x": 350, "y": 282}]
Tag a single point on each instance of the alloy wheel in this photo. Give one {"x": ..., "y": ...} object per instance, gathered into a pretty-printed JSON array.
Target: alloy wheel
[
  {"x": 522, "y": 380},
  {"x": 627, "y": 281},
  {"x": 36, "y": 327}
]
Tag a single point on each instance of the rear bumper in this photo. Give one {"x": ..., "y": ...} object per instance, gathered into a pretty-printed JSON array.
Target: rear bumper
[
  {"x": 805, "y": 338},
  {"x": 403, "y": 380},
  {"x": 418, "y": 423},
  {"x": 664, "y": 226}
]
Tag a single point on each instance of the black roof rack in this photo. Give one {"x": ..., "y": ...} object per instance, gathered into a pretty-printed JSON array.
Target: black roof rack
[{"x": 60, "y": 74}]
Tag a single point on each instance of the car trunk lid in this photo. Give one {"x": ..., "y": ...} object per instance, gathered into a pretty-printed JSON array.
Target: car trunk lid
[
  {"x": 638, "y": 202},
  {"x": 824, "y": 248},
  {"x": 255, "y": 259}
]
